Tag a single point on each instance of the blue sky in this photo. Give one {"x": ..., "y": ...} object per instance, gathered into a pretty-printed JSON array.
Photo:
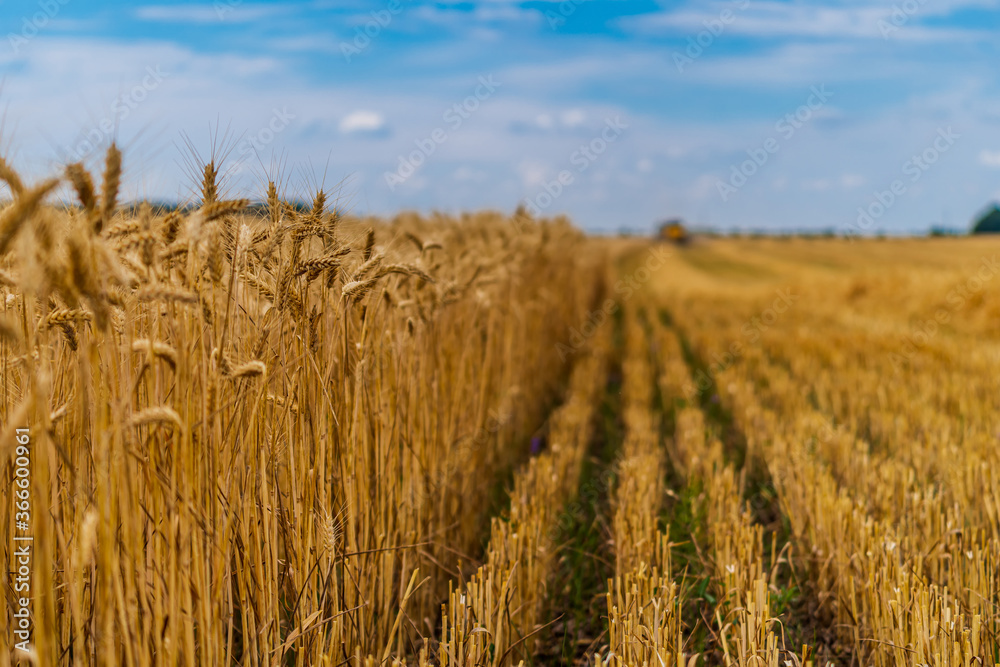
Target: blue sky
[{"x": 859, "y": 116}]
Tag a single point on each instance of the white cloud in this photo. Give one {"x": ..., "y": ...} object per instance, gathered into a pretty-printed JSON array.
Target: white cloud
[
  {"x": 362, "y": 121},
  {"x": 816, "y": 184},
  {"x": 217, "y": 13},
  {"x": 705, "y": 187},
  {"x": 468, "y": 174},
  {"x": 990, "y": 158},
  {"x": 544, "y": 121},
  {"x": 476, "y": 21},
  {"x": 782, "y": 19},
  {"x": 852, "y": 180},
  {"x": 533, "y": 174},
  {"x": 573, "y": 117}
]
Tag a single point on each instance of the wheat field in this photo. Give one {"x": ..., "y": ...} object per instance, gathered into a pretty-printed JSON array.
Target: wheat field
[{"x": 272, "y": 434}]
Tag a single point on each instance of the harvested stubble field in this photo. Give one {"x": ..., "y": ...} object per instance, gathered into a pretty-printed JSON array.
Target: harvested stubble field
[{"x": 295, "y": 437}]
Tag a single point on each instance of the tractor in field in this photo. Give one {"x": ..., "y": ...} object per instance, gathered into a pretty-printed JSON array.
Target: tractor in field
[{"x": 674, "y": 232}]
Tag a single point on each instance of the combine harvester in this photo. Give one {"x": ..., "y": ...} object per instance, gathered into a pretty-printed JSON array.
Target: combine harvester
[{"x": 674, "y": 231}]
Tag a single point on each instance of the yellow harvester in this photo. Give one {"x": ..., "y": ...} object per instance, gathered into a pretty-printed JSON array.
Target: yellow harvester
[{"x": 674, "y": 231}]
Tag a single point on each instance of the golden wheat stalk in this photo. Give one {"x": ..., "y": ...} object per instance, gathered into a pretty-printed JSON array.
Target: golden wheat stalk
[
  {"x": 83, "y": 184},
  {"x": 157, "y": 349},
  {"x": 356, "y": 289},
  {"x": 109, "y": 193},
  {"x": 10, "y": 177},
  {"x": 66, "y": 315},
  {"x": 123, "y": 228},
  {"x": 166, "y": 293},
  {"x": 14, "y": 216},
  {"x": 161, "y": 414},
  {"x": 248, "y": 370}
]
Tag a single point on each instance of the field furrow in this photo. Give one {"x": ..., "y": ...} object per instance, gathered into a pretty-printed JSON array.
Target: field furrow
[
  {"x": 643, "y": 601},
  {"x": 731, "y": 539},
  {"x": 494, "y": 618}
]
